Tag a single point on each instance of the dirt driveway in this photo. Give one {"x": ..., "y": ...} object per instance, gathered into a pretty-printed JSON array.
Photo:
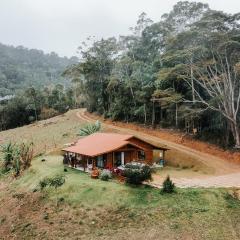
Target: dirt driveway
[{"x": 224, "y": 174}]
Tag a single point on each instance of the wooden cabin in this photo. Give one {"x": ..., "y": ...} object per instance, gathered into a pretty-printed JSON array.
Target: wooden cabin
[{"x": 109, "y": 151}]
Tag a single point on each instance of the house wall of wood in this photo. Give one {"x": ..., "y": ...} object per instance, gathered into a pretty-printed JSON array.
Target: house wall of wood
[
  {"x": 148, "y": 149},
  {"x": 129, "y": 156},
  {"x": 109, "y": 163}
]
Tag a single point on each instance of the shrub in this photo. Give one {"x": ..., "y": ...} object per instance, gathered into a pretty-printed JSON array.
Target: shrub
[
  {"x": 137, "y": 173},
  {"x": 105, "y": 175},
  {"x": 168, "y": 186},
  {"x": 44, "y": 183},
  {"x": 26, "y": 154},
  {"x": 56, "y": 181},
  {"x": 16, "y": 166},
  {"x": 134, "y": 165},
  {"x": 47, "y": 113}
]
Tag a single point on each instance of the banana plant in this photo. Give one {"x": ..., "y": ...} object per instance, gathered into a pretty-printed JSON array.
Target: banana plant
[
  {"x": 90, "y": 129},
  {"x": 8, "y": 155}
]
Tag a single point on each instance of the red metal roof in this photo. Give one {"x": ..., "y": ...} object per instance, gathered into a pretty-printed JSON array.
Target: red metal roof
[{"x": 99, "y": 143}]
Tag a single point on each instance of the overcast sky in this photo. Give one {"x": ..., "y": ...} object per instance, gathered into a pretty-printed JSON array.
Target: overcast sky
[{"x": 61, "y": 25}]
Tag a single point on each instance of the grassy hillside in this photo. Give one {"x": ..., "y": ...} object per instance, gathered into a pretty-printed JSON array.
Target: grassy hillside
[
  {"x": 84, "y": 208},
  {"x": 48, "y": 134}
]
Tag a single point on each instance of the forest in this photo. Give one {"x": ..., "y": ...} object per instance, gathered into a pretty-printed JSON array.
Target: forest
[
  {"x": 34, "y": 104},
  {"x": 181, "y": 72},
  {"x": 32, "y": 86},
  {"x": 21, "y": 67}
]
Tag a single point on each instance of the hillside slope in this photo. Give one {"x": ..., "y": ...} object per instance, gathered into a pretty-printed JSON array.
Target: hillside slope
[
  {"x": 21, "y": 67},
  {"x": 85, "y": 208},
  {"x": 46, "y": 135}
]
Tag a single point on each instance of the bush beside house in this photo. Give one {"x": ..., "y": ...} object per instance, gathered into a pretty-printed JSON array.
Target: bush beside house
[
  {"x": 136, "y": 173},
  {"x": 105, "y": 175}
]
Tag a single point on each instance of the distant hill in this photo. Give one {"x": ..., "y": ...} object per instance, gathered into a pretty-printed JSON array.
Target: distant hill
[{"x": 21, "y": 67}]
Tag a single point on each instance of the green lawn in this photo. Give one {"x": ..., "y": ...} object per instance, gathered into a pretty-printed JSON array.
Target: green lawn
[{"x": 198, "y": 213}]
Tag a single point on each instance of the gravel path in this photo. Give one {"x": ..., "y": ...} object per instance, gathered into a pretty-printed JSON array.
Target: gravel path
[{"x": 228, "y": 181}]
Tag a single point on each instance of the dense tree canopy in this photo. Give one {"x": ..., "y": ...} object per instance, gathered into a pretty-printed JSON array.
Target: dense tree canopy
[
  {"x": 32, "y": 86},
  {"x": 182, "y": 71},
  {"x": 32, "y": 105},
  {"x": 21, "y": 67}
]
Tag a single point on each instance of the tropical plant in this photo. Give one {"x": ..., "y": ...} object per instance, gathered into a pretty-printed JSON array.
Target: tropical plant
[
  {"x": 90, "y": 129},
  {"x": 8, "y": 151},
  {"x": 17, "y": 156}
]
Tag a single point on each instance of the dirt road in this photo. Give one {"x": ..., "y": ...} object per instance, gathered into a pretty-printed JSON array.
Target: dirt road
[{"x": 225, "y": 174}]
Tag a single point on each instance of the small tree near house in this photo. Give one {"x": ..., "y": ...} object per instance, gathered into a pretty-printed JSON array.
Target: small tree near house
[{"x": 168, "y": 186}]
